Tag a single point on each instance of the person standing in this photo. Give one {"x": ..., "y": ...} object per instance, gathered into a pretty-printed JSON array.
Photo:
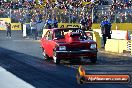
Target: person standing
[
  {"x": 89, "y": 22},
  {"x": 86, "y": 23},
  {"x": 49, "y": 23},
  {"x": 83, "y": 23},
  {"x": 106, "y": 29},
  {"x": 55, "y": 23},
  {"x": 8, "y": 30},
  {"x": 33, "y": 26}
]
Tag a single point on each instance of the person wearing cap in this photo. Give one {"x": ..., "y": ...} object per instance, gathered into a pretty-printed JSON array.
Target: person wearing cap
[{"x": 106, "y": 29}]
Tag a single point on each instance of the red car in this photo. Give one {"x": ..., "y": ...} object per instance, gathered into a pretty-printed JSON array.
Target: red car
[{"x": 69, "y": 44}]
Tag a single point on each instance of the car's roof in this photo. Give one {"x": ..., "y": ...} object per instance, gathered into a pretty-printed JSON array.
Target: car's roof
[{"x": 65, "y": 28}]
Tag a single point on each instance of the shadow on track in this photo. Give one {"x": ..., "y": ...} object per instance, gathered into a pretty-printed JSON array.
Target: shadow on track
[{"x": 35, "y": 71}]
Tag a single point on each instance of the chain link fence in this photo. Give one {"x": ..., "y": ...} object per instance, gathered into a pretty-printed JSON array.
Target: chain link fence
[{"x": 66, "y": 15}]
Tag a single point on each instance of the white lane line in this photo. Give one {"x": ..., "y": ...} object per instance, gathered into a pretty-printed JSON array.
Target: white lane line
[{"x": 8, "y": 80}]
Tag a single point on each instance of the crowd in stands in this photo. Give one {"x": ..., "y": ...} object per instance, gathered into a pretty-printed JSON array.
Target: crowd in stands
[
  {"x": 120, "y": 12},
  {"x": 121, "y": 4},
  {"x": 123, "y": 10},
  {"x": 120, "y": 17},
  {"x": 104, "y": 2},
  {"x": 65, "y": 10}
]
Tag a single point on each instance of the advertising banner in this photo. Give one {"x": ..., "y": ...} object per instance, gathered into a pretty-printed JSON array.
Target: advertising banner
[
  {"x": 16, "y": 26},
  {"x": 68, "y": 25},
  {"x": 3, "y": 21},
  {"x": 2, "y": 25}
]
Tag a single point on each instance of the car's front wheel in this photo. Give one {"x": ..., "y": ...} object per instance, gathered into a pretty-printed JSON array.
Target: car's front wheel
[
  {"x": 55, "y": 58},
  {"x": 45, "y": 55}
]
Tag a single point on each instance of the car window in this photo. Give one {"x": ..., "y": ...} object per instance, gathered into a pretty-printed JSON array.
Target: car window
[
  {"x": 46, "y": 35},
  {"x": 59, "y": 34}
]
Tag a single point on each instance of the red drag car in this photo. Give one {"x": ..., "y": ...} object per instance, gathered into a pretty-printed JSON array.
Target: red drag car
[{"x": 68, "y": 43}]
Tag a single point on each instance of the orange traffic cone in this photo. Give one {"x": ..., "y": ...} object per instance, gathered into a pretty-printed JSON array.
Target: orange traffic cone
[{"x": 126, "y": 37}]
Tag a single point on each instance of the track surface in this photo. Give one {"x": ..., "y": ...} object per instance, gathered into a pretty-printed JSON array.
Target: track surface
[{"x": 23, "y": 58}]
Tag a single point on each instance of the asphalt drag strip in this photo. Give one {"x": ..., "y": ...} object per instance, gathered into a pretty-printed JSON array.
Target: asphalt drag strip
[{"x": 24, "y": 60}]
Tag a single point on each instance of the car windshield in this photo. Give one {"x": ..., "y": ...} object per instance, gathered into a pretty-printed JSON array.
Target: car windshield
[{"x": 59, "y": 34}]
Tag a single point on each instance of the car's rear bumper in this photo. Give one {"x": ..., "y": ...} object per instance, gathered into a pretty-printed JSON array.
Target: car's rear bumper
[{"x": 76, "y": 54}]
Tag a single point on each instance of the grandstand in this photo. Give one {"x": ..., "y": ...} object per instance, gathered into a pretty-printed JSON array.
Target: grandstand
[{"x": 69, "y": 11}]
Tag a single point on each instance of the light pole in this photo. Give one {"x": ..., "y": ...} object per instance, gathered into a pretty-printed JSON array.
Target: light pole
[
  {"x": 10, "y": 12},
  {"x": 92, "y": 14}
]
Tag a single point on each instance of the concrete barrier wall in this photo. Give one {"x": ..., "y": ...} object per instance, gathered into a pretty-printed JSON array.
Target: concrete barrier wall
[
  {"x": 116, "y": 45},
  {"x": 122, "y": 46},
  {"x": 117, "y": 34},
  {"x": 112, "y": 45},
  {"x": 97, "y": 38}
]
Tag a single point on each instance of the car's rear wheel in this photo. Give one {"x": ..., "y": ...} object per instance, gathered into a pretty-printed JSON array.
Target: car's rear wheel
[
  {"x": 93, "y": 60},
  {"x": 55, "y": 58}
]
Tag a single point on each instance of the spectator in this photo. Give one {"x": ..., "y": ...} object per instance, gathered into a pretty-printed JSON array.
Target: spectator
[
  {"x": 8, "y": 30},
  {"x": 83, "y": 23},
  {"x": 49, "y": 23},
  {"x": 89, "y": 22},
  {"x": 33, "y": 26},
  {"x": 55, "y": 23}
]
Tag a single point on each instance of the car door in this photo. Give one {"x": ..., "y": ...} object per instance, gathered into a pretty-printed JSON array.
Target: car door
[{"x": 50, "y": 44}]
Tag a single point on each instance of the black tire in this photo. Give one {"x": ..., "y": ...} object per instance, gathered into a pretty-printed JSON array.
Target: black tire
[
  {"x": 93, "y": 60},
  {"x": 56, "y": 59},
  {"x": 45, "y": 55}
]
